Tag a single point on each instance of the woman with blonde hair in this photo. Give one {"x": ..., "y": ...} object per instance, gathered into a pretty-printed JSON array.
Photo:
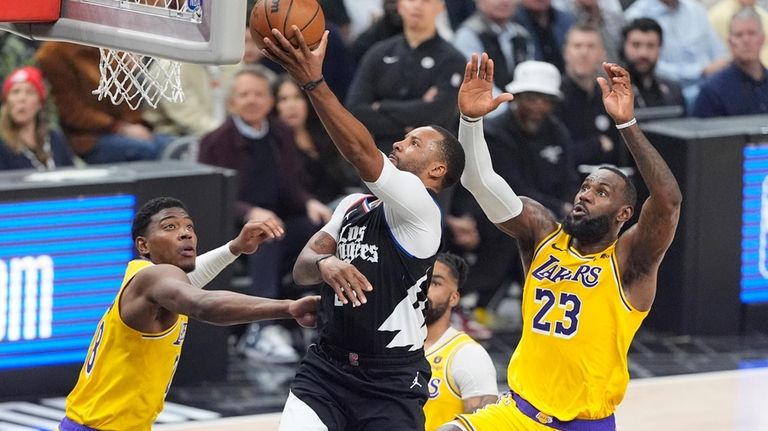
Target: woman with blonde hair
[{"x": 26, "y": 140}]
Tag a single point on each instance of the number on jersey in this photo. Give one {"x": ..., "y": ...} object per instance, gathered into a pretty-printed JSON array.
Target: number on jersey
[{"x": 569, "y": 302}]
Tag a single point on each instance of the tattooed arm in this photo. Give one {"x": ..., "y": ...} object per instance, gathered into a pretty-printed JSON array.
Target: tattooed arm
[{"x": 318, "y": 262}]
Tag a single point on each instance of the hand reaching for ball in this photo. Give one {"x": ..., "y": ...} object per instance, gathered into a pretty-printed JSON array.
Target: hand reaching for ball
[{"x": 282, "y": 15}]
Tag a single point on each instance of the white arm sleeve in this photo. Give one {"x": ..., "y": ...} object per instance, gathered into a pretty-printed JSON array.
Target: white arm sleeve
[
  {"x": 412, "y": 214},
  {"x": 473, "y": 372},
  {"x": 209, "y": 265},
  {"x": 333, "y": 227},
  {"x": 494, "y": 195}
]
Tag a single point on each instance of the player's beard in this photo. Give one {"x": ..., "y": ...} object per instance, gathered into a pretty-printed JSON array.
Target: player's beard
[
  {"x": 587, "y": 230},
  {"x": 435, "y": 312}
]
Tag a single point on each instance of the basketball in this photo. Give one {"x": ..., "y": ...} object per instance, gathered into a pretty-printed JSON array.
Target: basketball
[{"x": 282, "y": 14}]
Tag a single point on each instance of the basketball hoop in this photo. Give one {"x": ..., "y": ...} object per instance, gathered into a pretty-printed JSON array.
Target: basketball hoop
[
  {"x": 142, "y": 42},
  {"x": 135, "y": 78}
]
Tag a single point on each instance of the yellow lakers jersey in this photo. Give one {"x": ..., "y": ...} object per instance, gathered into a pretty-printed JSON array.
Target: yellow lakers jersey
[
  {"x": 126, "y": 374},
  {"x": 444, "y": 401},
  {"x": 571, "y": 362}
]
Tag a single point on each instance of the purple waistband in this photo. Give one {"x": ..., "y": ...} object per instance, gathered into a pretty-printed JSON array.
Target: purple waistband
[
  {"x": 68, "y": 424},
  {"x": 604, "y": 424}
]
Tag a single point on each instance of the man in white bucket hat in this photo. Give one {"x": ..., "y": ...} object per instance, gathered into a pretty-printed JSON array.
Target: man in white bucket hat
[{"x": 531, "y": 148}]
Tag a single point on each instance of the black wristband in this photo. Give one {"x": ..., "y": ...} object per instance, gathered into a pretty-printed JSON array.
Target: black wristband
[
  {"x": 322, "y": 258},
  {"x": 470, "y": 119},
  {"x": 311, "y": 85}
]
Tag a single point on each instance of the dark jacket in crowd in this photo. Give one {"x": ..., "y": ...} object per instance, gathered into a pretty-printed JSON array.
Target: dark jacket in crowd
[{"x": 268, "y": 170}]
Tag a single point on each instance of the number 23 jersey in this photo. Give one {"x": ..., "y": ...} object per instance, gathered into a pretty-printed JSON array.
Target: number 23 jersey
[{"x": 571, "y": 361}]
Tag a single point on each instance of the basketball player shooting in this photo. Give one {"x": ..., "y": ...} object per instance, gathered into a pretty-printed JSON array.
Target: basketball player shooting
[
  {"x": 587, "y": 288},
  {"x": 368, "y": 370}
]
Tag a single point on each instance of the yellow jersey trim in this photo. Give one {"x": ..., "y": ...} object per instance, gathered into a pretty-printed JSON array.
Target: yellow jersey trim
[
  {"x": 465, "y": 423},
  {"x": 450, "y": 382},
  {"x": 433, "y": 349},
  {"x": 545, "y": 241}
]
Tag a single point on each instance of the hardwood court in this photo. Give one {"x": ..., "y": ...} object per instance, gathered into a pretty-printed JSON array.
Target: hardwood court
[{"x": 722, "y": 401}]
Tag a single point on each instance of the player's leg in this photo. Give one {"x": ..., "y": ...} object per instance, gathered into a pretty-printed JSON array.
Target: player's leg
[
  {"x": 503, "y": 415},
  {"x": 317, "y": 391},
  {"x": 391, "y": 397},
  {"x": 298, "y": 415}
]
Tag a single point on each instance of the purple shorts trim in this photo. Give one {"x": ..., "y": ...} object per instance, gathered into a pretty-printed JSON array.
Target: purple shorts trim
[
  {"x": 68, "y": 424},
  {"x": 604, "y": 424}
]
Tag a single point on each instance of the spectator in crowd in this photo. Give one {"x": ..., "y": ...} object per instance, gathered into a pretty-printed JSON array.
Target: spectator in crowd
[
  {"x": 608, "y": 20},
  {"x": 492, "y": 30},
  {"x": 26, "y": 140},
  {"x": 362, "y": 13},
  {"x": 463, "y": 375},
  {"x": 742, "y": 87},
  {"x": 530, "y": 146},
  {"x": 204, "y": 105},
  {"x": 323, "y": 169},
  {"x": 691, "y": 51},
  {"x": 408, "y": 80},
  {"x": 720, "y": 15},
  {"x": 263, "y": 152},
  {"x": 595, "y": 140},
  {"x": 387, "y": 25},
  {"x": 97, "y": 130},
  {"x": 547, "y": 26},
  {"x": 642, "y": 41}
]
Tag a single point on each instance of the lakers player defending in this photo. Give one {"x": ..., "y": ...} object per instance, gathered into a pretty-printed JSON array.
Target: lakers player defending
[
  {"x": 587, "y": 289},
  {"x": 134, "y": 353},
  {"x": 463, "y": 375}
]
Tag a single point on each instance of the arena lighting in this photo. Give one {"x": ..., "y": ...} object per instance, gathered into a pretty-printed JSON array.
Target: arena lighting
[
  {"x": 61, "y": 264},
  {"x": 754, "y": 230}
]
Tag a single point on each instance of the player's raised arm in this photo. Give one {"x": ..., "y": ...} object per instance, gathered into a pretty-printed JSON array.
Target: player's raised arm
[
  {"x": 643, "y": 246},
  {"x": 524, "y": 219},
  {"x": 349, "y": 135}
]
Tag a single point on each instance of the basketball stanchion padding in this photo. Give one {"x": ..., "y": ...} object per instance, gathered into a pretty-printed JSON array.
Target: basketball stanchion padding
[{"x": 29, "y": 10}]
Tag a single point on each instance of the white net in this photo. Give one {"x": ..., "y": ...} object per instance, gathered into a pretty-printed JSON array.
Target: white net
[{"x": 136, "y": 79}]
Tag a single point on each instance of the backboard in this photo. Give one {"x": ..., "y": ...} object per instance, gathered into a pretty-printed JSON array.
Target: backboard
[{"x": 194, "y": 31}]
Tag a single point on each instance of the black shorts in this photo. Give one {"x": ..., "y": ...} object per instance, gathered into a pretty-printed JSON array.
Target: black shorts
[{"x": 370, "y": 396}]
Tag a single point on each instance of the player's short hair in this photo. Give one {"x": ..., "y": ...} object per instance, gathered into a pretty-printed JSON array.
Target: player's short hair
[
  {"x": 153, "y": 206},
  {"x": 630, "y": 192},
  {"x": 453, "y": 155},
  {"x": 458, "y": 266}
]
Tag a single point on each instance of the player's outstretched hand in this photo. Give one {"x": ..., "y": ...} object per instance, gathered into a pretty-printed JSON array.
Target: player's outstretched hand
[
  {"x": 476, "y": 92},
  {"x": 304, "y": 65},
  {"x": 304, "y": 310},
  {"x": 346, "y": 280},
  {"x": 618, "y": 98},
  {"x": 254, "y": 233}
]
